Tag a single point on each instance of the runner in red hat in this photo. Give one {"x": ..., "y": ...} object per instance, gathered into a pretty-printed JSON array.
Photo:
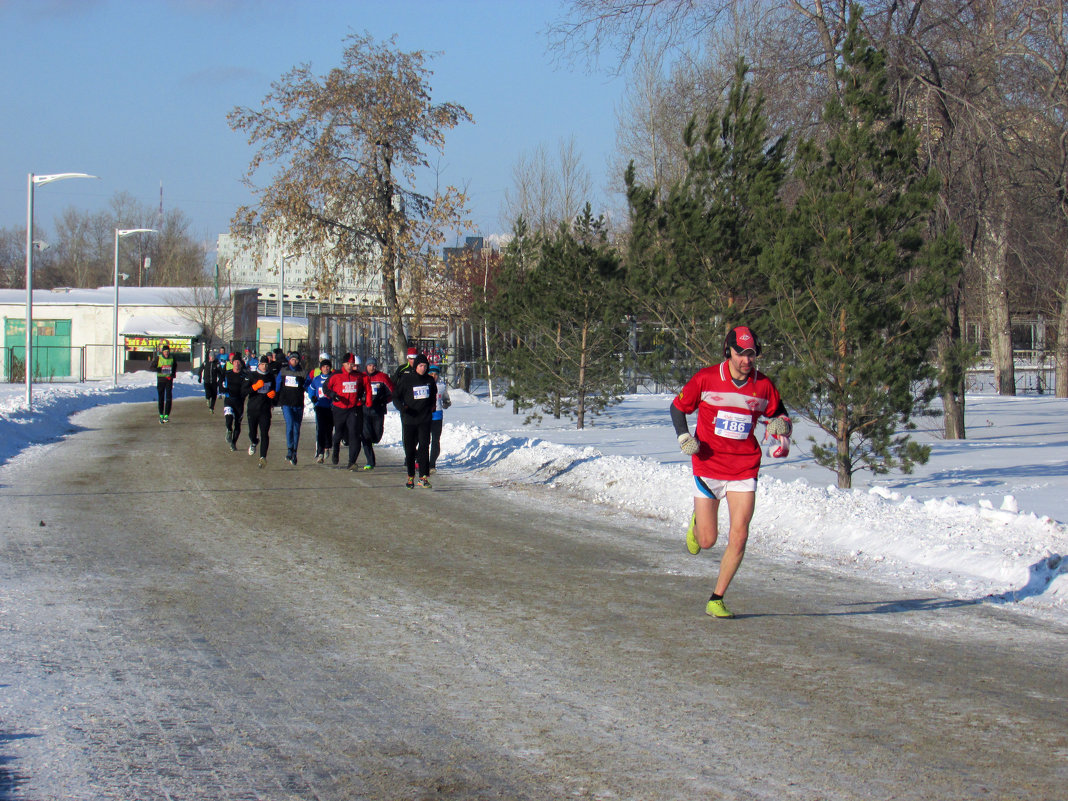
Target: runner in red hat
[{"x": 729, "y": 398}]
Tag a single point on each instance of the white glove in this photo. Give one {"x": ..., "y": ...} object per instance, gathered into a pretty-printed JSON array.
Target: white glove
[
  {"x": 688, "y": 445},
  {"x": 779, "y": 447},
  {"x": 779, "y": 429}
]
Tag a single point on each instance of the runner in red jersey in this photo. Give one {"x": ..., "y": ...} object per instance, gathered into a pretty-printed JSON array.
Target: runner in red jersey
[
  {"x": 350, "y": 392},
  {"x": 729, "y": 399}
]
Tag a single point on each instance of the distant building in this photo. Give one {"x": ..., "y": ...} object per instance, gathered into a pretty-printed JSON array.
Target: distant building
[
  {"x": 472, "y": 245},
  {"x": 243, "y": 266},
  {"x": 74, "y": 329}
]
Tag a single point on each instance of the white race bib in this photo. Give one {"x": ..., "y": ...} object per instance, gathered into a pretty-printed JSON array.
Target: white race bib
[
  {"x": 291, "y": 381},
  {"x": 228, "y": 410},
  {"x": 733, "y": 425},
  {"x": 421, "y": 392},
  {"x": 350, "y": 387}
]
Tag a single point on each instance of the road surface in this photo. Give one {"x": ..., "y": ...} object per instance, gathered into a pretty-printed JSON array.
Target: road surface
[{"x": 178, "y": 624}]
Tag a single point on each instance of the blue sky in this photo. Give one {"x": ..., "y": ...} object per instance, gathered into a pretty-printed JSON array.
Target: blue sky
[{"x": 137, "y": 92}]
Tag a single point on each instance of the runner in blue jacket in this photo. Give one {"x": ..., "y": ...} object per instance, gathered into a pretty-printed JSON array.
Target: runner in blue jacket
[{"x": 324, "y": 415}]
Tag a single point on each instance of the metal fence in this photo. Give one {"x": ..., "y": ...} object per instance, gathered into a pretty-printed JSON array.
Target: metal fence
[
  {"x": 59, "y": 364},
  {"x": 51, "y": 364},
  {"x": 460, "y": 360}
]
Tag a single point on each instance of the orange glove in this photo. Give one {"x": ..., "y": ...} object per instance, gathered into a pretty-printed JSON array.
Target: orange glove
[
  {"x": 271, "y": 394},
  {"x": 257, "y": 385}
]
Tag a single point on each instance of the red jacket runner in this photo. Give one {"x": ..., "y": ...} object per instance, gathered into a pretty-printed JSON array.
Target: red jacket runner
[{"x": 349, "y": 389}]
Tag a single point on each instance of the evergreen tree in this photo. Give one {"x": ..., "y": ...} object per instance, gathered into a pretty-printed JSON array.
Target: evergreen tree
[
  {"x": 858, "y": 287},
  {"x": 692, "y": 261},
  {"x": 559, "y": 300}
]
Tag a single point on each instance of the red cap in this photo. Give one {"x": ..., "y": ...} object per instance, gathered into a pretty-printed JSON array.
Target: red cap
[
  {"x": 411, "y": 353},
  {"x": 348, "y": 358},
  {"x": 742, "y": 339}
]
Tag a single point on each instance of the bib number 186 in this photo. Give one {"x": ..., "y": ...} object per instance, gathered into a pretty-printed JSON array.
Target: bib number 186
[{"x": 733, "y": 425}]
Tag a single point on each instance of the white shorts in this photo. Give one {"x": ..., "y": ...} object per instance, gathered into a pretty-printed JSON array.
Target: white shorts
[{"x": 718, "y": 489}]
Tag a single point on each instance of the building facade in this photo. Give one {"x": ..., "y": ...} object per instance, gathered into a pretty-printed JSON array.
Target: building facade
[
  {"x": 243, "y": 266},
  {"x": 74, "y": 336}
]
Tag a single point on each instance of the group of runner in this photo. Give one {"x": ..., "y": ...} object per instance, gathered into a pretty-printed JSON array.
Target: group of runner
[{"x": 350, "y": 407}]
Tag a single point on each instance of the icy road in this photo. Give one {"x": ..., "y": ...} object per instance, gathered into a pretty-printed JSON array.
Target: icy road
[{"x": 178, "y": 624}]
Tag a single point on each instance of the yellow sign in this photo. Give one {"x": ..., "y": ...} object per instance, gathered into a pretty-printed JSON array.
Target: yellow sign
[{"x": 156, "y": 343}]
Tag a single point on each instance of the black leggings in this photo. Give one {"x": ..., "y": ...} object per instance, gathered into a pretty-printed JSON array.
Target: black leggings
[
  {"x": 348, "y": 425},
  {"x": 259, "y": 421},
  {"x": 233, "y": 424},
  {"x": 416, "y": 438},
  {"x": 373, "y": 425},
  {"x": 435, "y": 441},
  {"x": 324, "y": 429},
  {"x": 165, "y": 393}
]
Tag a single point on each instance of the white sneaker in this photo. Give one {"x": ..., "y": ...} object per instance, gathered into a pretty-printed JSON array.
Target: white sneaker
[{"x": 251, "y": 450}]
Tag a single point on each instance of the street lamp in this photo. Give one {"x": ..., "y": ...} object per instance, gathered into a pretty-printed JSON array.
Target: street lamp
[
  {"x": 32, "y": 181},
  {"x": 119, "y": 233},
  {"x": 281, "y": 300}
]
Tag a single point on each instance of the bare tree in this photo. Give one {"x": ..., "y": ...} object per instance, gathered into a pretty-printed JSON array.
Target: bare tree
[
  {"x": 547, "y": 188},
  {"x": 13, "y": 259},
  {"x": 347, "y": 147},
  {"x": 1040, "y": 80},
  {"x": 212, "y": 310},
  {"x": 83, "y": 248},
  {"x": 658, "y": 105},
  {"x": 81, "y": 252}
]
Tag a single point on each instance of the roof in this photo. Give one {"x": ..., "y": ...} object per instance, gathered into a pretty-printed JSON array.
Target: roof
[
  {"x": 169, "y": 296},
  {"x": 160, "y": 325}
]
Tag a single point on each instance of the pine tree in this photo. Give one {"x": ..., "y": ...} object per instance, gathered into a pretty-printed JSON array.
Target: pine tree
[
  {"x": 692, "y": 261},
  {"x": 857, "y": 284},
  {"x": 559, "y": 300}
]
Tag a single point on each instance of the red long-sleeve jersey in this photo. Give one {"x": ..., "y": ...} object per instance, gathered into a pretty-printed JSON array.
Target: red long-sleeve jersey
[
  {"x": 350, "y": 389},
  {"x": 726, "y": 418}
]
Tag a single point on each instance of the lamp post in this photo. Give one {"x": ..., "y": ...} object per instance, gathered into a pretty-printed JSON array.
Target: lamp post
[
  {"x": 119, "y": 233},
  {"x": 282, "y": 300},
  {"x": 32, "y": 181}
]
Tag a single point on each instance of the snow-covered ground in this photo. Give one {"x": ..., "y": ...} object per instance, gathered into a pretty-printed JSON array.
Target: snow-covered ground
[{"x": 983, "y": 520}]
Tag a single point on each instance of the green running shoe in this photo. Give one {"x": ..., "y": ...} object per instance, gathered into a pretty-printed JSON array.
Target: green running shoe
[
  {"x": 691, "y": 537},
  {"x": 718, "y": 609}
]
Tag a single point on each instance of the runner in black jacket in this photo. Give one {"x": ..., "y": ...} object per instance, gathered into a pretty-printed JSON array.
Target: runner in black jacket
[
  {"x": 211, "y": 374},
  {"x": 233, "y": 391},
  {"x": 415, "y": 396},
  {"x": 261, "y": 397}
]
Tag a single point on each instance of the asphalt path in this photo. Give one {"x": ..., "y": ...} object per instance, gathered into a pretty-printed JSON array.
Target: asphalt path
[{"x": 176, "y": 623}]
